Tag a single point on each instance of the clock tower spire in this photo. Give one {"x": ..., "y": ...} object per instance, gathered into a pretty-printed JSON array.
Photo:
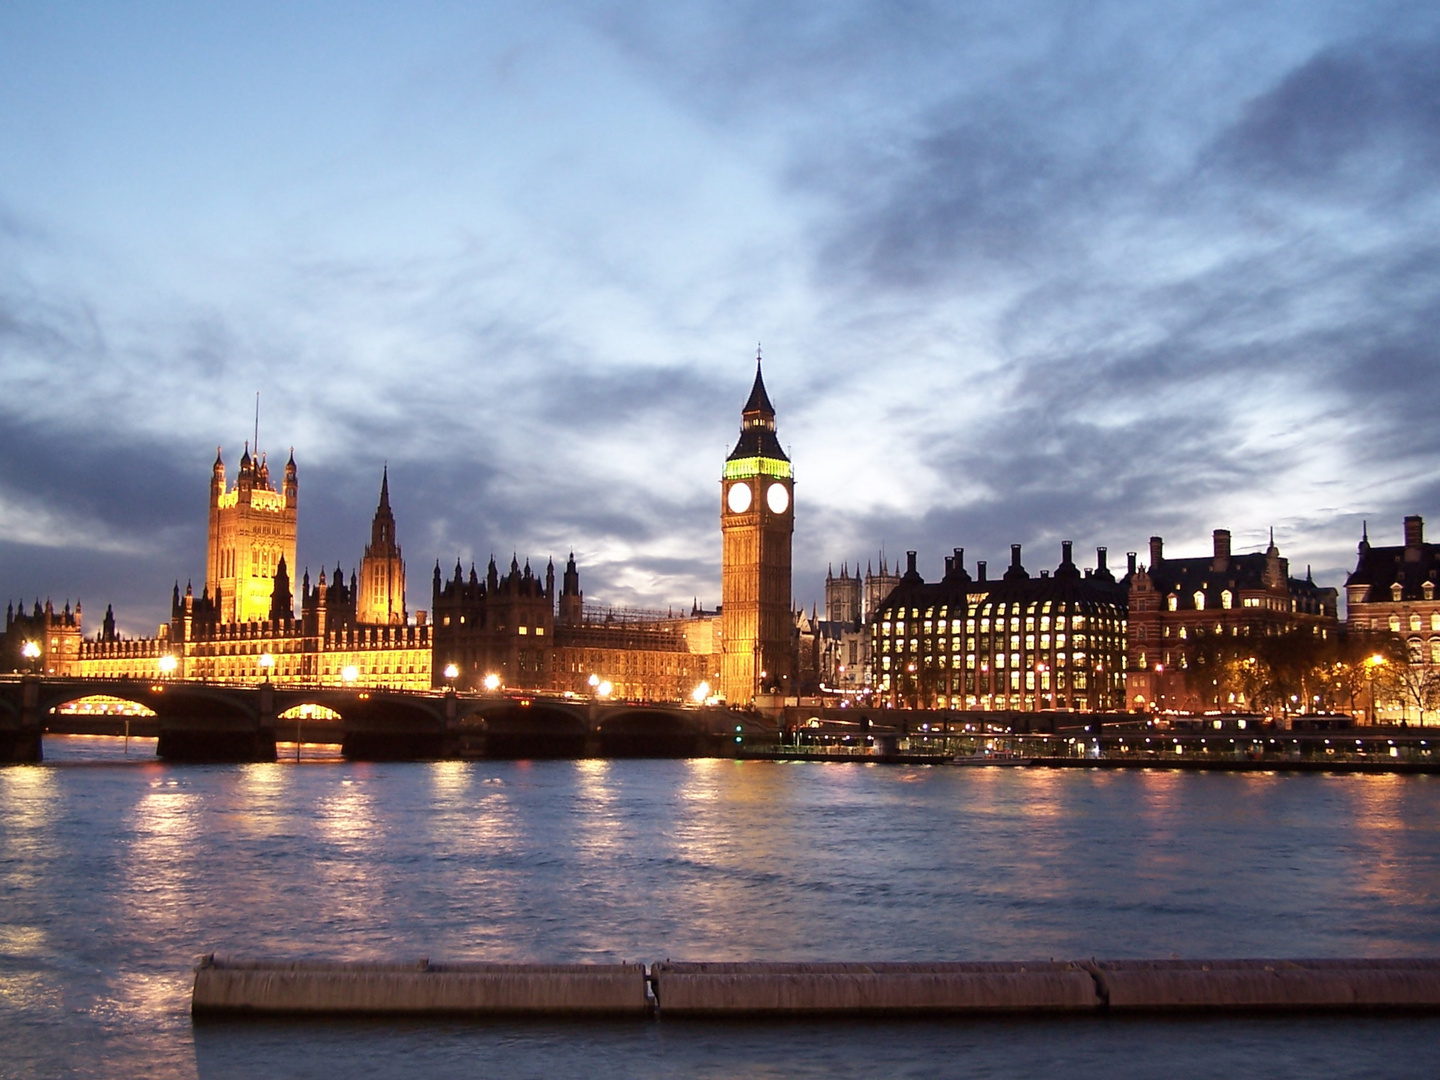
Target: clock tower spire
[{"x": 757, "y": 520}]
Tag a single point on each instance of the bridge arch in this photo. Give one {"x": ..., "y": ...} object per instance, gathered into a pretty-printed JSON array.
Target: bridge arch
[
  {"x": 530, "y": 729},
  {"x": 651, "y": 733}
]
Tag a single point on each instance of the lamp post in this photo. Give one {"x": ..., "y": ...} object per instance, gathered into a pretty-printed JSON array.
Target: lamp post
[
  {"x": 167, "y": 665},
  {"x": 1371, "y": 663},
  {"x": 31, "y": 652},
  {"x": 451, "y": 673},
  {"x": 267, "y": 663},
  {"x": 491, "y": 682}
]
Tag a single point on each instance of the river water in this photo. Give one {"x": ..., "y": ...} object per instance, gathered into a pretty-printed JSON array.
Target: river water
[{"x": 117, "y": 872}]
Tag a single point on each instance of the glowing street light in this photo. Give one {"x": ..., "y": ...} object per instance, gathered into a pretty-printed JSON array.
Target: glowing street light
[
  {"x": 168, "y": 664},
  {"x": 594, "y": 681},
  {"x": 267, "y": 662},
  {"x": 492, "y": 682},
  {"x": 451, "y": 672},
  {"x": 700, "y": 693},
  {"x": 30, "y": 651},
  {"x": 349, "y": 673},
  {"x": 604, "y": 688}
]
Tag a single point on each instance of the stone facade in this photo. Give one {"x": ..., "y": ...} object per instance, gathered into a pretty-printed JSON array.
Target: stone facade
[
  {"x": 1178, "y": 606},
  {"x": 757, "y": 520},
  {"x": 1018, "y": 643}
]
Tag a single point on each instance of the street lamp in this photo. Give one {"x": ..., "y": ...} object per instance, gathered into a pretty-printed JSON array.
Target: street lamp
[
  {"x": 349, "y": 673},
  {"x": 30, "y": 651},
  {"x": 604, "y": 689},
  {"x": 168, "y": 664},
  {"x": 1371, "y": 663},
  {"x": 492, "y": 682},
  {"x": 267, "y": 662},
  {"x": 700, "y": 693}
]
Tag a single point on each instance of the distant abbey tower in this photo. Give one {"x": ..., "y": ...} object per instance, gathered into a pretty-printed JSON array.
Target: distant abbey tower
[
  {"x": 382, "y": 570},
  {"x": 252, "y": 528},
  {"x": 757, "y": 520}
]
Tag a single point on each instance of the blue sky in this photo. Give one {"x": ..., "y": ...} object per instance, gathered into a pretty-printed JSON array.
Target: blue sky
[{"x": 1023, "y": 272}]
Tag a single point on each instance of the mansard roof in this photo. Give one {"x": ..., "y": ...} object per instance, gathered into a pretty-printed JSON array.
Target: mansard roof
[
  {"x": 1240, "y": 573},
  {"x": 1380, "y": 568}
]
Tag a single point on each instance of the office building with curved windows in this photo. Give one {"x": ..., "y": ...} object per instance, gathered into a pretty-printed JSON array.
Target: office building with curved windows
[{"x": 1015, "y": 643}]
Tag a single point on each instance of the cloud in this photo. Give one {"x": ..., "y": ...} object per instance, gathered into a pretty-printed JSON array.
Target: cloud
[{"x": 1352, "y": 115}]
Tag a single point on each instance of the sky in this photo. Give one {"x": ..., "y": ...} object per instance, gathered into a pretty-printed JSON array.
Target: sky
[{"x": 1022, "y": 272}]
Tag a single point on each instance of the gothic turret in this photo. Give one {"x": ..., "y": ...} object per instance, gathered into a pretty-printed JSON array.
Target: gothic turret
[{"x": 382, "y": 571}]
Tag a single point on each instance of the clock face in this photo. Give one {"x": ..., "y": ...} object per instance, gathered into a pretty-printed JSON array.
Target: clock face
[
  {"x": 777, "y": 498},
  {"x": 738, "y": 498}
]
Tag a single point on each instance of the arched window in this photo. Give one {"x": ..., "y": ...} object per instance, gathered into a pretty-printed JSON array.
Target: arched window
[
  {"x": 1174, "y": 602},
  {"x": 1416, "y": 656},
  {"x": 1394, "y": 624},
  {"x": 1227, "y": 599},
  {"x": 1435, "y": 650},
  {"x": 1414, "y": 622},
  {"x": 1199, "y": 600}
]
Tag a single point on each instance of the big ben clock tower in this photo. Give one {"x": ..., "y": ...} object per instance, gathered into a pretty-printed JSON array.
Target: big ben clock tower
[{"x": 757, "y": 518}]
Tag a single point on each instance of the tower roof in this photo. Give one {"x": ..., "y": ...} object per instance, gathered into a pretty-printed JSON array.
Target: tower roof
[
  {"x": 757, "y": 427},
  {"x": 759, "y": 400}
]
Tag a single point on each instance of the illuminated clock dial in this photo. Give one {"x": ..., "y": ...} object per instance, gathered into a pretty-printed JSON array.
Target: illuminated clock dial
[
  {"x": 738, "y": 498},
  {"x": 777, "y": 498}
]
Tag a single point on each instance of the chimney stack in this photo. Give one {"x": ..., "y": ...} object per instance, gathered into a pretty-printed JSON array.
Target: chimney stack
[
  {"x": 1222, "y": 551},
  {"x": 1100, "y": 559},
  {"x": 1015, "y": 555},
  {"x": 1066, "y": 547},
  {"x": 1157, "y": 551},
  {"x": 980, "y": 570},
  {"x": 1130, "y": 561},
  {"x": 1414, "y": 531},
  {"x": 910, "y": 563}
]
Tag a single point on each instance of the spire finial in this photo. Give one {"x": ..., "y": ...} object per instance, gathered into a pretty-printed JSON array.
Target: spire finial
[{"x": 757, "y": 356}]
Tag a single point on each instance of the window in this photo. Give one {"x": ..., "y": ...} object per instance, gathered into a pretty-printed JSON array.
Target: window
[
  {"x": 1435, "y": 621},
  {"x": 1435, "y": 650},
  {"x": 1394, "y": 624},
  {"x": 1199, "y": 599},
  {"x": 1174, "y": 602},
  {"x": 1414, "y": 622}
]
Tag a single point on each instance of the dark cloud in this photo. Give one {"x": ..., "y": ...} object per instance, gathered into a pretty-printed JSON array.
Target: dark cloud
[{"x": 1360, "y": 114}]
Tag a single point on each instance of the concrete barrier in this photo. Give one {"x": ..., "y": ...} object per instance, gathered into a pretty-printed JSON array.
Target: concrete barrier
[
  {"x": 229, "y": 988},
  {"x": 896, "y": 989},
  {"x": 225, "y": 987},
  {"x": 1260, "y": 985}
]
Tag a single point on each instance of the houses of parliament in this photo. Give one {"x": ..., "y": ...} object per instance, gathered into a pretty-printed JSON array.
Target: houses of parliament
[{"x": 514, "y": 627}]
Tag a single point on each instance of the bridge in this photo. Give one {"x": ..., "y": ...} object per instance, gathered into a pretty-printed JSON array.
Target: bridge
[{"x": 218, "y": 722}]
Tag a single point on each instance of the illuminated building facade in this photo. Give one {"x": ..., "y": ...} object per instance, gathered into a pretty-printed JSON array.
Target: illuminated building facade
[
  {"x": 331, "y": 642},
  {"x": 252, "y": 529},
  {"x": 506, "y": 627},
  {"x": 381, "y": 600},
  {"x": 1393, "y": 590},
  {"x": 1181, "y": 606},
  {"x": 757, "y": 520},
  {"x": 45, "y": 641},
  {"x": 835, "y": 652},
  {"x": 1018, "y": 643}
]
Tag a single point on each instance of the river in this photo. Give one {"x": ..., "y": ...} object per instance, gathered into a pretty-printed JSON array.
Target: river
[{"x": 117, "y": 872}]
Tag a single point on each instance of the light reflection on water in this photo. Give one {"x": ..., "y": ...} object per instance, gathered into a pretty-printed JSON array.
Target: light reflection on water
[{"x": 114, "y": 877}]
